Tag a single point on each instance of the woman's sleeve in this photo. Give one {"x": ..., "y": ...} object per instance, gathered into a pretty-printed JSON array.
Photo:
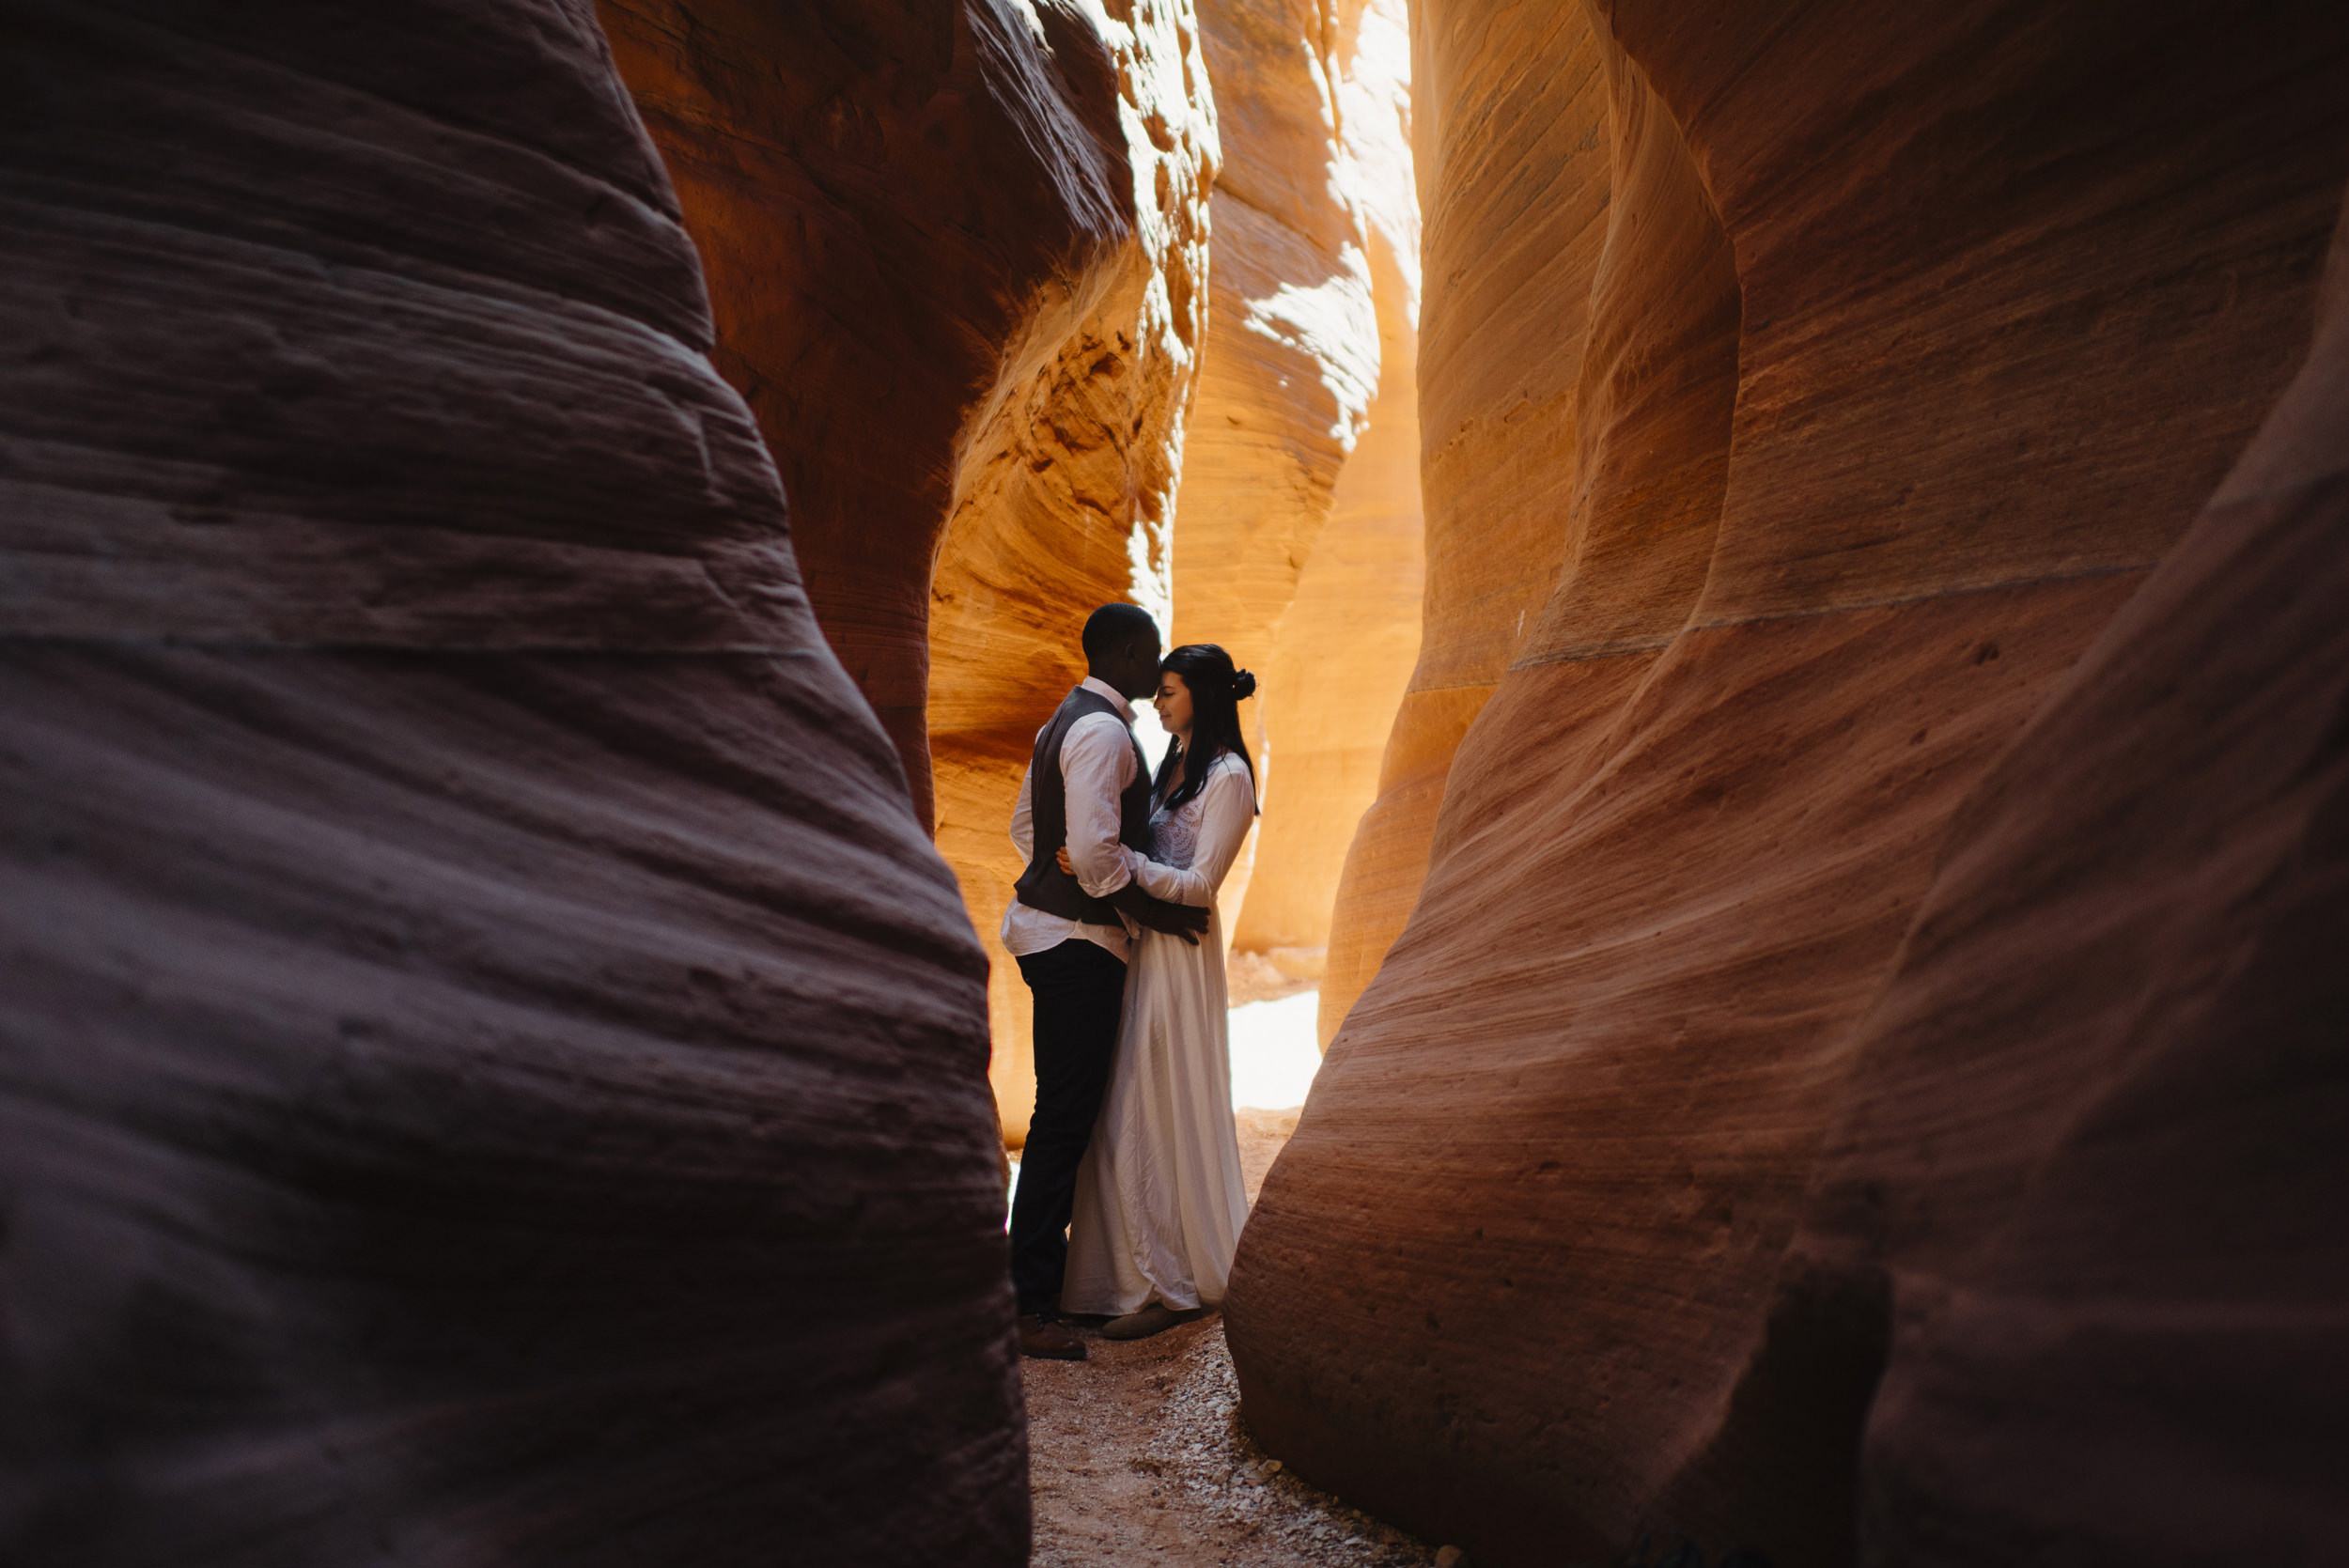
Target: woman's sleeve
[{"x": 1227, "y": 809}]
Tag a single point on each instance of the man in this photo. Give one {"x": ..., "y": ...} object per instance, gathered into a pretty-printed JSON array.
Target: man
[{"x": 1088, "y": 789}]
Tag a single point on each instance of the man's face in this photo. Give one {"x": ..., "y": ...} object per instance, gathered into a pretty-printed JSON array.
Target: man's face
[{"x": 1140, "y": 674}]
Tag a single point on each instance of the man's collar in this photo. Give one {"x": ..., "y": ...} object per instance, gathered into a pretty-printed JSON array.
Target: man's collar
[{"x": 1102, "y": 688}]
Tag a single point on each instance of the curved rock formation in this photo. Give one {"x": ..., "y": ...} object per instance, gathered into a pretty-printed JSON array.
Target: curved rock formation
[
  {"x": 493, "y": 1069},
  {"x": 1514, "y": 189},
  {"x": 2095, "y": 1116},
  {"x": 1292, "y": 364},
  {"x": 1292, "y": 354},
  {"x": 1890, "y": 391},
  {"x": 1343, "y": 650},
  {"x": 956, "y": 257},
  {"x": 951, "y": 249}
]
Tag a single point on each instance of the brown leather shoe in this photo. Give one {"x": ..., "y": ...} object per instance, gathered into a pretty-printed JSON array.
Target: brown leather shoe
[
  {"x": 1047, "y": 1340},
  {"x": 1157, "y": 1318}
]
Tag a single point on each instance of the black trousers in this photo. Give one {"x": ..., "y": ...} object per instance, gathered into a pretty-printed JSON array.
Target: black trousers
[{"x": 1078, "y": 989}]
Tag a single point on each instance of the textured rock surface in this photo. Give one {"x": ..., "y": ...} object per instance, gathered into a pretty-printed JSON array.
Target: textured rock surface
[
  {"x": 956, "y": 257},
  {"x": 2094, "y": 1131},
  {"x": 1514, "y": 189},
  {"x": 1065, "y": 497},
  {"x": 1293, "y": 352},
  {"x": 1292, "y": 355},
  {"x": 493, "y": 1068},
  {"x": 1341, "y": 650},
  {"x": 1889, "y": 393}
]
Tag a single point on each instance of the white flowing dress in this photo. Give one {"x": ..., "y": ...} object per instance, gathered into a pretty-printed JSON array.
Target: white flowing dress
[{"x": 1159, "y": 1196}]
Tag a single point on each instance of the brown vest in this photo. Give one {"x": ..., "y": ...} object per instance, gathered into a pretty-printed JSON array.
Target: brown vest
[{"x": 1044, "y": 885}]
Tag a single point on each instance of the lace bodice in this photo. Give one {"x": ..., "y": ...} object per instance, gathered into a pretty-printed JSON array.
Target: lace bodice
[
  {"x": 1174, "y": 835},
  {"x": 1200, "y": 838}
]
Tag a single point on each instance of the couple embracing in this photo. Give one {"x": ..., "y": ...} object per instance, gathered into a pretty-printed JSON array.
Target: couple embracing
[{"x": 1130, "y": 1197}]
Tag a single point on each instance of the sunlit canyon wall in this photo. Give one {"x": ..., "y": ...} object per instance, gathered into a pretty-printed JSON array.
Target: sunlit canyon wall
[
  {"x": 961, "y": 274},
  {"x": 1856, "y": 1080},
  {"x": 1499, "y": 454},
  {"x": 958, "y": 258},
  {"x": 493, "y": 1068},
  {"x": 1313, "y": 292},
  {"x": 1335, "y": 652}
]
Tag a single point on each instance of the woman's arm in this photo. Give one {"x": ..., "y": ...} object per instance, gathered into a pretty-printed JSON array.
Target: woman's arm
[{"x": 1227, "y": 809}]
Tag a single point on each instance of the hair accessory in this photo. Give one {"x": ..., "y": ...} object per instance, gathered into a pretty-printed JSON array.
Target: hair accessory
[{"x": 1243, "y": 684}]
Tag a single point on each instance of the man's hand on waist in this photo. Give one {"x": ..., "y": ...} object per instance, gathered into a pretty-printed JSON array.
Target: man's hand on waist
[{"x": 1176, "y": 920}]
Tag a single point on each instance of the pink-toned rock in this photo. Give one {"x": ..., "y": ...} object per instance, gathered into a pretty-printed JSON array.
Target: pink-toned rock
[
  {"x": 2094, "y": 1129},
  {"x": 1911, "y": 347},
  {"x": 493, "y": 1068}
]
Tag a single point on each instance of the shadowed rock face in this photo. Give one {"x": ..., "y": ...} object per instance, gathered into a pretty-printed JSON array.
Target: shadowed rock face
[
  {"x": 2093, "y": 1130},
  {"x": 1890, "y": 391},
  {"x": 494, "y": 1070},
  {"x": 958, "y": 258}
]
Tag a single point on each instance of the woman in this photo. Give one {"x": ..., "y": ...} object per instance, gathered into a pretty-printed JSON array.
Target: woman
[{"x": 1159, "y": 1196}]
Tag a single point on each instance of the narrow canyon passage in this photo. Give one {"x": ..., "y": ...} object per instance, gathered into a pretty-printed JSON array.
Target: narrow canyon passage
[
  {"x": 1138, "y": 1456},
  {"x": 1782, "y": 576}
]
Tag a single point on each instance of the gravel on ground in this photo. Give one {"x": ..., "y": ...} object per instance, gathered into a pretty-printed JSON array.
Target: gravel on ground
[{"x": 1139, "y": 1459}]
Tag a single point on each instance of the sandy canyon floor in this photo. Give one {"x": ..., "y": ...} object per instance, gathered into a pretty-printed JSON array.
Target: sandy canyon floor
[
  {"x": 1137, "y": 1454},
  {"x": 1138, "y": 1460}
]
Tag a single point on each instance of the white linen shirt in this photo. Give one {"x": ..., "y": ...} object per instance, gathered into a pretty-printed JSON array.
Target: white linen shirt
[{"x": 1096, "y": 765}]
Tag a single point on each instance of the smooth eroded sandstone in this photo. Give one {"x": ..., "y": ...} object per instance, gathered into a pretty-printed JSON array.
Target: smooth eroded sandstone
[
  {"x": 1292, "y": 352},
  {"x": 1341, "y": 652},
  {"x": 957, "y": 259},
  {"x": 2087, "y": 1160},
  {"x": 1892, "y": 383},
  {"x": 1065, "y": 498},
  {"x": 493, "y": 1069},
  {"x": 1513, "y": 192}
]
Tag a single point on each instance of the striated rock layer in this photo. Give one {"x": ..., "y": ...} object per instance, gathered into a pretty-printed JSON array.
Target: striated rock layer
[
  {"x": 1292, "y": 355},
  {"x": 957, "y": 259},
  {"x": 1889, "y": 391},
  {"x": 1340, "y": 653},
  {"x": 2095, "y": 1116},
  {"x": 494, "y": 1070},
  {"x": 1514, "y": 188}
]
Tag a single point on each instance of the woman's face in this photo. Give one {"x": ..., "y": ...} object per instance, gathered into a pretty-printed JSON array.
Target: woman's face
[{"x": 1172, "y": 703}]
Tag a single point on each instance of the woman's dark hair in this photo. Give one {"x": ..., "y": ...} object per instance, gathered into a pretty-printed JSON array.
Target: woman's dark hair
[{"x": 1217, "y": 691}]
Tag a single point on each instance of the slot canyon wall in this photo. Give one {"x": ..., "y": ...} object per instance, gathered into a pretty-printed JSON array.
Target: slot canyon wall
[
  {"x": 1312, "y": 283},
  {"x": 1856, "y": 1081},
  {"x": 956, "y": 257},
  {"x": 1339, "y": 645},
  {"x": 960, "y": 269},
  {"x": 1498, "y": 444},
  {"x": 494, "y": 1068}
]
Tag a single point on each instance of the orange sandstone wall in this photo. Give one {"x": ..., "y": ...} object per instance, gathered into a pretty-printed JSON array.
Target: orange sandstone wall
[
  {"x": 1064, "y": 499},
  {"x": 1292, "y": 356},
  {"x": 1513, "y": 195},
  {"x": 1342, "y": 651},
  {"x": 1889, "y": 387},
  {"x": 957, "y": 259}
]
